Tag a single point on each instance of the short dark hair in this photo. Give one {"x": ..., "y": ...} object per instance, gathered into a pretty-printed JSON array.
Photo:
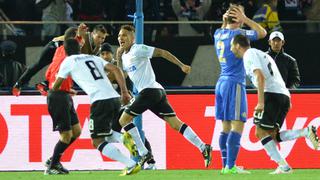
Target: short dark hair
[
  {"x": 230, "y": 19},
  {"x": 100, "y": 28},
  {"x": 8, "y": 47},
  {"x": 70, "y": 33},
  {"x": 242, "y": 40},
  {"x": 71, "y": 46},
  {"x": 106, "y": 47},
  {"x": 128, "y": 28}
]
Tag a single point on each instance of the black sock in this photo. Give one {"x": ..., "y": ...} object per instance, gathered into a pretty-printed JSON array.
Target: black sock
[
  {"x": 58, "y": 151},
  {"x": 116, "y": 125},
  {"x": 183, "y": 128},
  {"x": 148, "y": 146},
  {"x": 71, "y": 141}
]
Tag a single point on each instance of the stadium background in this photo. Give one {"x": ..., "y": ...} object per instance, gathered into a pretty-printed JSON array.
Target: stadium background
[{"x": 25, "y": 121}]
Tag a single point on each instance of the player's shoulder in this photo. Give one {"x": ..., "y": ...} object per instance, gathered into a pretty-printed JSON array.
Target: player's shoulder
[
  {"x": 218, "y": 30},
  {"x": 250, "y": 52},
  {"x": 140, "y": 47},
  {"x": 69, "y": 59},
  {"x": 224, "y": 34}
]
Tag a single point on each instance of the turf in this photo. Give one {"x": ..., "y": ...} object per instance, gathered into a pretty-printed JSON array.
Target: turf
[{"x": 298, "y": 174}]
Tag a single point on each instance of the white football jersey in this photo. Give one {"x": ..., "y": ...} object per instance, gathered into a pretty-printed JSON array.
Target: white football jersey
[
  {"x": 88, "y": 72},
  {"x": 137, "y": 64},
  {"x": 256, "y": 59}
]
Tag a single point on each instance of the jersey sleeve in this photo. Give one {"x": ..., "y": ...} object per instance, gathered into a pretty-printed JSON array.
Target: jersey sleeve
[
  {"x": 250, "y": 34},
  {"x": 144, "y": 51},
  {"x": 65, "y": 68},
  {"x": 102, "y": 61},
  {"x": 252, "y": 60}
]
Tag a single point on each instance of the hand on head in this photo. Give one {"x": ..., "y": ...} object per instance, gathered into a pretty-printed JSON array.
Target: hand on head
[{"x": 237, "y": 14}]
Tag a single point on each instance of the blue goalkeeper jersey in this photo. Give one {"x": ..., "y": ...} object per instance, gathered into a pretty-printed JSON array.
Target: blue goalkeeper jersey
[{"x": 232, "y": 68}]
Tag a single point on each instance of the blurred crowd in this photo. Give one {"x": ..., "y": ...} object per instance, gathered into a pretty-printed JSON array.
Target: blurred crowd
[
  {"x": 154, "y": 10},
  {"x": 268, "y": 13}
]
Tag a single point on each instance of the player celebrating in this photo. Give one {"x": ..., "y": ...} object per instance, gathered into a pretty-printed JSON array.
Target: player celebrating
[
  {"x": 273, "y": 102},
  {"x": 88, "y": 72},
  {"x": 106, "y": 53},
  {"x": 135, "y": 60},
  {"x": 231, "y": 100}
]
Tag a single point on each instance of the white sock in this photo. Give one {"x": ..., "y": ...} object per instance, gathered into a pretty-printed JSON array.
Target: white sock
[
  {"x": 114, "y": 153},
  {"x": 293, "y": 134},
  {"x": 115, "y": 137},
  {"x": 271, "y": 148},
  {"x": 193, "y": 138},
  {"x": 137, "y": 139}
]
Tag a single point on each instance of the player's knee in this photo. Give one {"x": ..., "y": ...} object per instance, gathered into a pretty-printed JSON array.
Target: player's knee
[
  {"x": 76, "y": 133},
  {"x": 258, "y": 135},
  {"x": 95, "y": 145},
  {"x": 261, "y": 133},
  {"x": 237, "y": 126},
  {"x": 125, "y": 119},
  {"x": 66, "y": 138},
  {"x": 226, "y": 126},
  {"x": 174, "y": 122},
  {"x": 96, "y": 142},
  {"x": 76, "y": 130}
]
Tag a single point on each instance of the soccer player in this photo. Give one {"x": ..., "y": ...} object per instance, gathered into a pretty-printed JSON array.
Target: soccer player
[
  {"x": 135, "y": 60},
  {"x": 94, "y": 39},
  {"x": 45, "y": 59},
  {"x": 106, "y": 53},
  {"x": 273, "y": 102},
  {"x": 88, "y": 72},
  {"x": 61, "y": 110},
  {"x": 92, "y": 42},
  {"x": 231, "y": 100}
]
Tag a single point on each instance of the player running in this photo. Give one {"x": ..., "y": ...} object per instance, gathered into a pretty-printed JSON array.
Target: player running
[{"x": 273, "y": 102}]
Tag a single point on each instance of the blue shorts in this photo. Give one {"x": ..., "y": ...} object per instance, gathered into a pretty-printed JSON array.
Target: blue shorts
[{"x": 231, "y": 101}]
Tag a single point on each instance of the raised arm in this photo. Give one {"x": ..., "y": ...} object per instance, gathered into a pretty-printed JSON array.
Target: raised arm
[
  {"x": 119, "y": 53},
  {"x": 239, "y": 16},
  {"x": 170, "y": 57},
  {"x": 224, "y": 19}
]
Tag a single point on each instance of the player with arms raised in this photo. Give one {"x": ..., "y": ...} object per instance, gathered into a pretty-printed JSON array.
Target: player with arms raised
[{"x": 231, "y": 100}]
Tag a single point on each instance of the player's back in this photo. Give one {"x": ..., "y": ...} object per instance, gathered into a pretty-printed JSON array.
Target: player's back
[
  {"x": 88, "y": 72},
  {"x": 257, "y": 59},
  {"x": 231, "y": 67}
]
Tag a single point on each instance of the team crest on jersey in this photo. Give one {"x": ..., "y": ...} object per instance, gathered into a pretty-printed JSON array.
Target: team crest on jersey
[
  {"x": 131, "y": 69},
  {"x": 250, "y": 33}
]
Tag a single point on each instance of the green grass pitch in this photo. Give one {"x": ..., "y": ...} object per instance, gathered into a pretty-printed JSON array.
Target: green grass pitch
[{"x": 298, "y": 174}]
